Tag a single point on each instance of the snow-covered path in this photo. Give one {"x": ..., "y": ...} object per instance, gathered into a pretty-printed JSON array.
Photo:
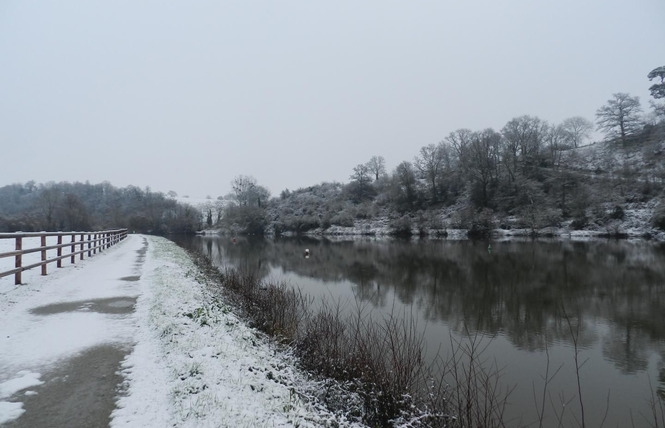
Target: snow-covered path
[
  {"x": 63, "y": 336},
  {"x": 131, "y": 337}
]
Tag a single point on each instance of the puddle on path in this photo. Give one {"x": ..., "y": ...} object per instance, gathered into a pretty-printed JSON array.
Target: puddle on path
[
  {"x": 140, "y": 259},
  {"x": 80, "y": 392},
  {"x": 131, "y": 278},
  {"x": 111, "y": 305}
]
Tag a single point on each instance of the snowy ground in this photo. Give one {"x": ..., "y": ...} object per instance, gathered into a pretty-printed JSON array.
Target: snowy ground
[{"x": 190, "y": 361}]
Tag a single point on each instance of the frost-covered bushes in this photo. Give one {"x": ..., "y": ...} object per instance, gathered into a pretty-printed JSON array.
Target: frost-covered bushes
[
  {"x": 579, "y": 223},
  {"x": 400, "y": 226},
  {"x": 658, "y": 219},
  {"x": 383, "y": 361},
  {"x": 273, "y": 307},
  {"x": 245, "y": 219},
  {"x": 482, "y": 223},
  {"x": 297, "y": 223},
  {"x": 479, "y": 223},
  {"x": 309, "y": 208},
  {"x": 366, "y": 210},
  {"x": 343, "y": 218}
]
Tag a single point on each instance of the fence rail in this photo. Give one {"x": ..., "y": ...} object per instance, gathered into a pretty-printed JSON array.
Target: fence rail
[{"x": 78, "y": 244}]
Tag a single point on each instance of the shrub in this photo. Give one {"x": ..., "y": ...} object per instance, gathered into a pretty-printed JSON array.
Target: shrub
[
  {"x": 481, "y": 224},
  {"x": 658, "y": 219},
  {"x": 618, "y": 213},
  {"x": 401, "y": 226},
  {"x": 344, "y": 219},
  {"x": 579, "y": 223}
]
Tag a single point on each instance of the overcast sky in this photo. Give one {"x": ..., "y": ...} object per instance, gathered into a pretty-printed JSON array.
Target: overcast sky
[{"x": 186, "y": 95}]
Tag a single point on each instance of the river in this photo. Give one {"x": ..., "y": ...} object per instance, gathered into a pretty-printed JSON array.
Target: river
[{"x": 530, "y": 302}]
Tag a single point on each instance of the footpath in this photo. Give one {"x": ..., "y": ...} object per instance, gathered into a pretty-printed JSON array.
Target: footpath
[
  {"x": 133, "y": 337},
  {"x": 63, "y": 338}
]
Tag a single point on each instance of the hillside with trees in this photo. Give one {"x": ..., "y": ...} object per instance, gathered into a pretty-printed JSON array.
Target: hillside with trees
[
  {"x": 531, "y": 177},
  {"x": 84, "y": 206}
]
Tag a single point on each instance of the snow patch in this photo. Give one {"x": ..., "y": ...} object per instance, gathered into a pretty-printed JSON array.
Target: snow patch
[{"x": 10, "y": 410}]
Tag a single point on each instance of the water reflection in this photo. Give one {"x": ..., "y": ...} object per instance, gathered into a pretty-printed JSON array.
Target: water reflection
[
  {"x": 527, "y": 292},
  {"x": 521, "y": 288}
]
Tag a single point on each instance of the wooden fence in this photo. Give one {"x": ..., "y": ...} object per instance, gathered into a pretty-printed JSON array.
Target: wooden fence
[{"x": 73, "y": 243}]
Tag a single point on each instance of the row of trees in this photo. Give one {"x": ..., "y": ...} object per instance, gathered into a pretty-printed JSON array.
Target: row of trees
[
  {"x": 84, "y": 206},
  {"x": 529, "y": 169}
]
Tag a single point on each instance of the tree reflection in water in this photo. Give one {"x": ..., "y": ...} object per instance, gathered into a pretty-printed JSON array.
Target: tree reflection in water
[{"x": 615, "y": 290}]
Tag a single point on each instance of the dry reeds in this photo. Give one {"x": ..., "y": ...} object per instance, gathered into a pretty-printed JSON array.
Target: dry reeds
[{"x": 380, "y": 360}]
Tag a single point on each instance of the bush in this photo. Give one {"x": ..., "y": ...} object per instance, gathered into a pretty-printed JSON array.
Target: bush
[
  {"x": 658, "y": 219},
  {"x": 481, "y": 224},
  {"x": 618, "y": 213},
  {"x": 579, "y": 223},
  {"x": 344, "y": 219},
  {"x": 401, "y": 226}
]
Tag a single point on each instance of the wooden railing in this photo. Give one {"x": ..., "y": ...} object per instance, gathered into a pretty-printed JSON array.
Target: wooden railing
[{"x": 74, "y": 244}]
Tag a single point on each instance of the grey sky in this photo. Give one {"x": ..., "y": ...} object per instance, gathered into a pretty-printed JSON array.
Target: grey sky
[{"x": 185, "y": 95}]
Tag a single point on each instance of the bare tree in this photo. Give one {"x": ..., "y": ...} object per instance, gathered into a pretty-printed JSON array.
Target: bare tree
[
  {"x": 577, "y": 129},
  {"x": 49, "y": 200},
  {"x": 377, "y": 167},
  {"x": 74, "y": 213},
  {"x": 620, "y": 117},
  {"x": 405, "y": 187},
  {"x": 360, "y": 187},
  {"x": 459, "y": 140},
  {"x": 557, "y": 140},
  {"x": 247, "y": 192},
  {"x": 484, "y": 164},
  {"x": 430, "y": 163},
  {"x": 524, "y": 137},
  {"x": 361, "y": 174}
]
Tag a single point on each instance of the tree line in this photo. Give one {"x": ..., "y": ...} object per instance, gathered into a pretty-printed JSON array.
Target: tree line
[
  {"x": 530, "y": 172},
  {"x": 83, "y": 206}
]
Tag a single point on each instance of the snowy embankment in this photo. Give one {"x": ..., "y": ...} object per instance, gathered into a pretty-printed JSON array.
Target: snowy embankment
[
  {"x": 190, "y": 361},
  {"x": 196, "y": 364}
]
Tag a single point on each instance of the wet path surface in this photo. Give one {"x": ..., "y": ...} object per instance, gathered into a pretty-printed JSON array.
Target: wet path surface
[
  {"x": 80, "y": 389},
  {"x": 112, "y": 305},
  {"x": 79, "y": 392}
]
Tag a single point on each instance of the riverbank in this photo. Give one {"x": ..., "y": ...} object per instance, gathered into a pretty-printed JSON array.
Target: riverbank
[
  {"x": 381, "y": 228},
  {"x": 523, "y": 297},
  {"x": 186, "y": 359},
  {"x": 214, "y": 369}
]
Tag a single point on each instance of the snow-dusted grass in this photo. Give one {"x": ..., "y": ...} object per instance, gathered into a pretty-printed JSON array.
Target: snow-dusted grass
[
  {"x": 201, "y": 365},
  {"x": 192, "y": 363}
]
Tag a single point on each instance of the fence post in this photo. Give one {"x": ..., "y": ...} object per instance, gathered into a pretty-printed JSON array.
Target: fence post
[
  {"x": 17, "y": 263},
  {"x": 89, "y": 245},
  {"x": 59, "y": 251},
  {"x": 43, "y": 242},
  {"x": 73, "y": 257},
  {"x": 82, "y": 237}
]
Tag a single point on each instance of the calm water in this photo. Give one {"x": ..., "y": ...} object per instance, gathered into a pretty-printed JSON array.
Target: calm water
[{"x": 518, "y": 296}]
